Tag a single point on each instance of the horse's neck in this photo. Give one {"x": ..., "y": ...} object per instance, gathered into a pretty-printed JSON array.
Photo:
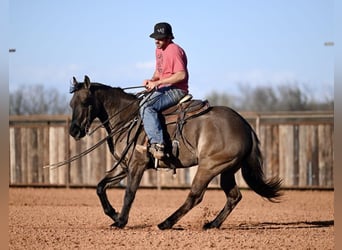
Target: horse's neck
[{"x": 119, "y": 107}]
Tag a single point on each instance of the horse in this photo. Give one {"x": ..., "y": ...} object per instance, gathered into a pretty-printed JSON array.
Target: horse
[{"x": 219, "y": 141}]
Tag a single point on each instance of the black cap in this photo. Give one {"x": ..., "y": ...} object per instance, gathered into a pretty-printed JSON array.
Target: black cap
[{"x": 161, "y": 31}]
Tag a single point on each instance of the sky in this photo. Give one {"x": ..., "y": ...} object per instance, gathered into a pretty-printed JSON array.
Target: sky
[{"x": 228, "y": 43}]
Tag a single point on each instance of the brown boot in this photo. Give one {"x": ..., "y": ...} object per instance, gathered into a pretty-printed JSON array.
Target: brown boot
[{"x": 157, "y": 150}]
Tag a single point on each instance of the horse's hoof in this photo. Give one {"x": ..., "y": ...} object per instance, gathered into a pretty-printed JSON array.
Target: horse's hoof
[
  {"x": 210, "y": 225},
  {"x": 207, "y": 226},
  {"x": 164, "y": 225},
  {"x": 117, "y": 225}
]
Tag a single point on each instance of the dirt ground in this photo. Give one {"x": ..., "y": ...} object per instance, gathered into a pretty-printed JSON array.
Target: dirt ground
[{"x": 43, "y": 218}]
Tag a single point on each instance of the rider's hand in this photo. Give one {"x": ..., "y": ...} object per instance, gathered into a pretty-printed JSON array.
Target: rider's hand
[
  {"x": 145, "y": 83},
  {"x": 150, "y": 85}
]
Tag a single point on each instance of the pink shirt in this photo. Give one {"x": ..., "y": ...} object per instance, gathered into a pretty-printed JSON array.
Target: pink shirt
[{"x": 171, "y": 60}]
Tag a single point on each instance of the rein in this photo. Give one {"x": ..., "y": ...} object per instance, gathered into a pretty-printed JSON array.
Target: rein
[
  {"x": 130, "y": 124},
  {"x": 118, "y": 112},
  {"x": 134, "y": 87}
]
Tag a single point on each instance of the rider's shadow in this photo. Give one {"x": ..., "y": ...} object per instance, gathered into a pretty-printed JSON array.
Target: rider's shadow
[
  {"x": 253, "y": 225},
  {"x": 279, "y": 225}
]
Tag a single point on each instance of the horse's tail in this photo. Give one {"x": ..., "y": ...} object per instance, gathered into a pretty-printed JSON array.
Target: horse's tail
[{"x": 253, "y": 174}]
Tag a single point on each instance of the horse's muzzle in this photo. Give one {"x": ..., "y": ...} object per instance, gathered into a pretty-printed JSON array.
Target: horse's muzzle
[{"x": 76, "y": 131}]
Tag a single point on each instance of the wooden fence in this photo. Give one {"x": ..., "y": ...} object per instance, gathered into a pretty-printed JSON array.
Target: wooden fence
[{"x": 297, "y": 147}]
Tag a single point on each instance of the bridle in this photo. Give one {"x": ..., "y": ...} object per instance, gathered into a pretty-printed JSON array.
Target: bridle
[
  {"x": 111, "y": 132},
  {"x": 88, "y": 119}
]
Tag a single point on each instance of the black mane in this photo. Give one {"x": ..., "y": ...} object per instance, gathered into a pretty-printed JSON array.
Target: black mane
[{"x": 97, "y": 86}]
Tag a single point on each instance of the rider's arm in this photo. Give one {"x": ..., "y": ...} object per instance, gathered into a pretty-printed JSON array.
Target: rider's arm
[
  {"x": 173, "y": 79},
  {"x": 155, "y": 76}
]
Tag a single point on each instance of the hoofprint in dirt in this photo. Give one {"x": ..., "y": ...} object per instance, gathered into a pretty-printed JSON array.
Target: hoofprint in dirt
[{"x": 73, "y": 218}]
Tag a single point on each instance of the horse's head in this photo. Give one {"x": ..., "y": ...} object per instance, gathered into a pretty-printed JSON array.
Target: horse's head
[{"x": 84, "y": 107}]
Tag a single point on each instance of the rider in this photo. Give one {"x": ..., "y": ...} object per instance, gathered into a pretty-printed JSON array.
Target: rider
[{"x": 170, "y": 82}]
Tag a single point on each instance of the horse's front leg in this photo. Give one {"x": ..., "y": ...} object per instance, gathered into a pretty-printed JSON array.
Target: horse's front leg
[
  {"x": 134, "y": 177},
  {"x": 101, "y": 192}
]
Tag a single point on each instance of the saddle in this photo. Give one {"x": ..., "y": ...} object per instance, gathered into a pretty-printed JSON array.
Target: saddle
[
  {"x": 178, "y": 114},
  {"x": 185, "y": 109}
]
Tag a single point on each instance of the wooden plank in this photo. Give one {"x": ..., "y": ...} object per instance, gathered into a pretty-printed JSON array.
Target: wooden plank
[
  {"x": 61, "y": 155},
  {"x": 308, "y": 166},
  {"x": 325, "y": 140},
  {"x": 53, "y": 155},
  {"x": 28, "y": 145},
  {"x": 40, "y": 158},
  {"x": 32, "y": 155},
  {"x": 275, "y": 151},
  {"x": 98, "y": 156},
  {"x": 303, "y": 160},
  {"x": 286, "y": 154},
  {"x": 74, "y": 177},
  {"x": 93, "y": 163},
  {"x": 264, "y": 148},
  {"x": 18, "y": 155},
  {"x": 150, "y": 178},
  {"x": 13, "y": 157},
  {"x": 239, "y": 179},
  {"x": 145, "y": 179},
  {"x": 295, "y": 155},
  {"x": 314, "y": 155},
  {"x": 67, "y": 151},
  {"x": 23, "y": 163},
  {"x": 88, "y": 142},
  {"x": 46, "y": 153},
  {"x": 271, "y": 150},
  {"x": 191, "y": 174},
  {"x": 82, "y": 145}
]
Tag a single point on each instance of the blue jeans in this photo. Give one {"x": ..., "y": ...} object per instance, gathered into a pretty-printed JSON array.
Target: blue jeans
[{"x": 150, "y": 108}]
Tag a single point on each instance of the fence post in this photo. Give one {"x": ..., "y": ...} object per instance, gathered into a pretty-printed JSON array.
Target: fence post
[
  {"x": 257, "y": 124},
  {"x": 67, "y": 150}
]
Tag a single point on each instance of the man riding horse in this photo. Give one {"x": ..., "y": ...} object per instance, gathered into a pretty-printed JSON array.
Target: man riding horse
[
  {"x": 170, "y": 82},
  {"x": 218, "y": 141}
]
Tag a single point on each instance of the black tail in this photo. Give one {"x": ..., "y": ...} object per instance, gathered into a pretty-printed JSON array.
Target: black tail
[{"x": 253, "y": 174}]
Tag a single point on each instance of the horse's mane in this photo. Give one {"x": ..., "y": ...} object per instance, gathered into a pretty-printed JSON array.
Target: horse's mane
[
  {"x": 100, "y": 86},
  {"x": 115, "y": 90}
]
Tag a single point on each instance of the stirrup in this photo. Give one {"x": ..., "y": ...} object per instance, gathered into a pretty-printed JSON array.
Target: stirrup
[{"x": 157, "y": 150}]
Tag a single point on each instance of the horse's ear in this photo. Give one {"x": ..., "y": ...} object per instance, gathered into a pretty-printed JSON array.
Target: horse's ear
[
  {"x": 87, "y": 82},
  {"x": 74, "y": 81},
  {"x": 73, "y": 85}
]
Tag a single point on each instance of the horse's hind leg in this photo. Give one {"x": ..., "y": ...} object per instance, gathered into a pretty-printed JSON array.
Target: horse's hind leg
[
  {"x": 199, "y": 185},
  {"x": 101, "y": 192},
  {"x": 233, "y": 195}
]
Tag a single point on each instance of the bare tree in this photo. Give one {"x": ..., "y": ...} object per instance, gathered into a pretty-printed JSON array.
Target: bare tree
[
  {"x": 36, "y": 99},
  {"x": 291, "y": 98},
  {"x": 257, "y": 99},
  {"x": 221, "y": 99},
  {"x": 281, "y": 98}
]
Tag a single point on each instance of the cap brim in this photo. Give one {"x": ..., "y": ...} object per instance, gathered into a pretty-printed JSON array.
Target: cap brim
[{"x": 157, "y": 36}]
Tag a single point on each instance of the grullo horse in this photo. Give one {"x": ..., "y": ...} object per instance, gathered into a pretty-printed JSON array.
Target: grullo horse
[{"x": 219, "y": 142}]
